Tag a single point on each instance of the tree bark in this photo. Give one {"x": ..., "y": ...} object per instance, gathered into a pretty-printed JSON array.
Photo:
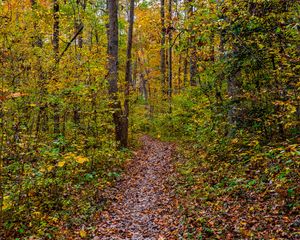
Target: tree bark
[
  {"x": 185, "y": 69},
  {"x": 170, "y": 65},
  {"x": 128, "y": 74},
  {"x": 113, "y": 55},
  {"x": 38, "y": 42},
  {"x": 179, "y": 72},
  {"x": 2, "y": 127},
  {"x": 180, "y": 53},
  {"x": 162, "y": 49},
  {"x": 192, "y": 43},
  {"x": 78, "y": 25},
  {"x": 56, "y": 117},
  {"x": 143, "y": 87},
  {"x": 56, "y": 30}
]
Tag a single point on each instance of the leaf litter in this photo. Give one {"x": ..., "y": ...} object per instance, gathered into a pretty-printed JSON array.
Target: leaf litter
[{"x": 144, "y": 203}]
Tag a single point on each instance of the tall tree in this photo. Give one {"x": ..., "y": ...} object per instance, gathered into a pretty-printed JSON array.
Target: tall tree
[
  {"x": 170, "y": 57},
  {"x": 162, "y": 48},
  {"x": 1, "y": 158},
  {"x": 128, "y": 74},
  {"x": 192, "y": 43},
  {"x": 56, "y": 30},
  {"x": 113, "y": 55},
  {"x": 56, "y": 59},
  {"x": 78, "y": 25}
]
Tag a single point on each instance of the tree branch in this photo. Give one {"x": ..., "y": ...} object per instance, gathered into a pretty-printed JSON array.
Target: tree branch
[{"x": 70, "y": 42}]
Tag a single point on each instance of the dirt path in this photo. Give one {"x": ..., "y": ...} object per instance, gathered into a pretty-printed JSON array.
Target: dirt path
[{"x": 144, "y": 206}]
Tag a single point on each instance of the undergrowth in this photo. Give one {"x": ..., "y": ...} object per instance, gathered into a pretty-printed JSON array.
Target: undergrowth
[
  {"x": 59, "y": 187},
  {"x": 236, "y": 185}
]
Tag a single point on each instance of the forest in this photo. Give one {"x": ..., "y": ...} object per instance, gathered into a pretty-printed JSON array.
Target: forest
[{"x": 147, "y": 119}]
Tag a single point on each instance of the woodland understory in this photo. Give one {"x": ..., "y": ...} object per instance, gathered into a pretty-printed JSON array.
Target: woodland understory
[{"x": 109, "y": 108}]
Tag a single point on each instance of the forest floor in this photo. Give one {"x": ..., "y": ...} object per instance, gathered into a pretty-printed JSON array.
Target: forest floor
[{"x": 144, "y": 204}]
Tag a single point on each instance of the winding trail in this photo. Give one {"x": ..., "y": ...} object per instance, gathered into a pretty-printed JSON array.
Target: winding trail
[{"x": 145, "y": 205}]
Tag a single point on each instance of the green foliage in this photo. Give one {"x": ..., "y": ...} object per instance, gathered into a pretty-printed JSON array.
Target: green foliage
[
  {"x": 227, "y": 180},
  {"x": 54, "y": 184}
]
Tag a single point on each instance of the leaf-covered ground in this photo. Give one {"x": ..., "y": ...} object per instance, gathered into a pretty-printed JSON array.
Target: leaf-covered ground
[
  {"x": 237, "y": 200},
  {"x": 217, "y": 200},
  {"x": 144, "y": 204}
]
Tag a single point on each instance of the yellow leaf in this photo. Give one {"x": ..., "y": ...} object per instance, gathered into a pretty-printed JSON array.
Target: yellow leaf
[
  {"x": 37, "y": 214},
  {"x": 82, "y": 233},
  {"x": 6, "y": 203},
  {"x": 61, "y": 163},
  {"x": 81, "y": 159},
  {"x": 69, "y": 155},
  {"x": 49, "y": 168},
  {"x": 260, "y": 46},
  {"x": 54, "y": 219}
]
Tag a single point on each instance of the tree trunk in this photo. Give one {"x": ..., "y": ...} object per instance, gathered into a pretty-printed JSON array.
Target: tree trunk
[
  {"x": 180, "y": 53},
  {"x": 128, "y": 75},
  {"x": 134, "y": 75},
  {"x": 179, "y": 72},
  {"x": 162, "y": 49},
  {"x": 79, "y": 23},
  {"x": 192, "y": 44},
  {"x": 56, "y": 118},
  {"x": 56, "y": 30},
  {"x": 113, "y": 54},
  {"x": 185, "y": 69},
  {"x": 143, "y": 87},
  {"x": 170, "y": 65},
  {"x": 38, "y": 42},
  {"x": 78, "y": 31},
  {"x": 233, "y": 91},
  {"x": 2, "y": 127}
]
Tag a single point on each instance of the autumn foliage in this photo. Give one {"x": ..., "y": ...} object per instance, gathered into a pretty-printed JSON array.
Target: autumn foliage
[{"x": 221, "y": 78}]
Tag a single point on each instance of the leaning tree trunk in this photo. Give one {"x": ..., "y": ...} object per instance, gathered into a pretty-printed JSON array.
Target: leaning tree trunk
[{"x": 113, "y": 54}]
